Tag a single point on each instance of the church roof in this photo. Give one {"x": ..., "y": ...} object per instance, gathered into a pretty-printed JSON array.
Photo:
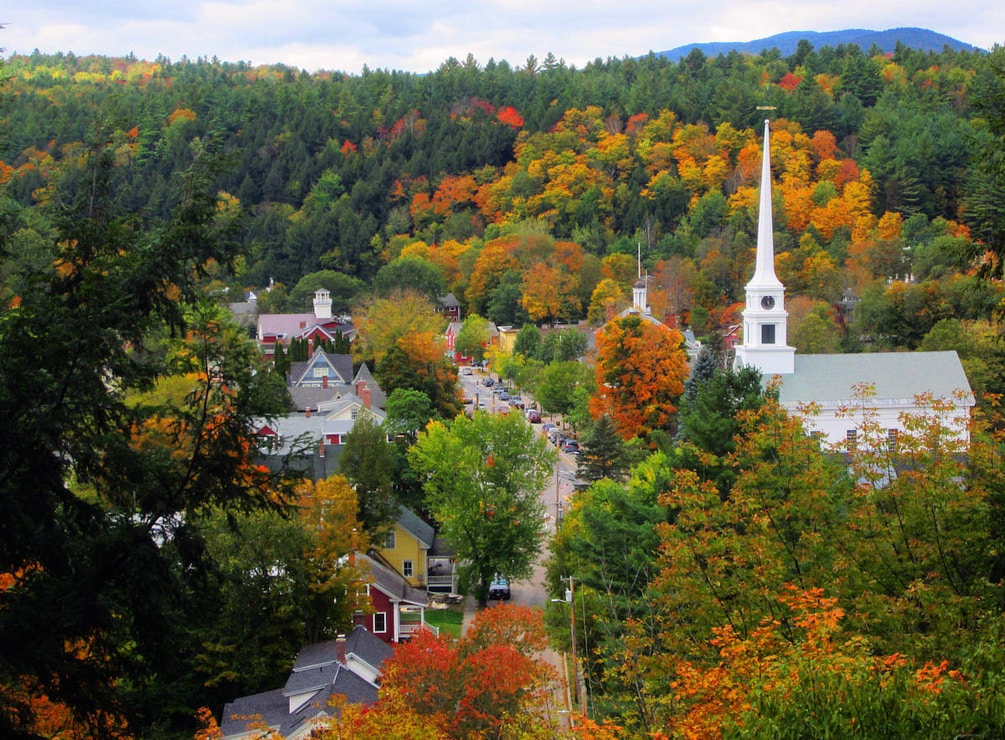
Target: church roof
[{"x": 896, "y": 376}]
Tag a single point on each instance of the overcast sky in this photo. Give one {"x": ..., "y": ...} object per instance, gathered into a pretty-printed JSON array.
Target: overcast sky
[{"x": 418, "y": 36}]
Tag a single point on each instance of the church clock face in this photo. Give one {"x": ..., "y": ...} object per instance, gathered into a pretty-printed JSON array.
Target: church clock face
[{"x": 768, "y": 302}]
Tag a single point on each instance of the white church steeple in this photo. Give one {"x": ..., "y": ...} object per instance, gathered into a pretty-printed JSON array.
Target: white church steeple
[{"x": 765, "y": 320}]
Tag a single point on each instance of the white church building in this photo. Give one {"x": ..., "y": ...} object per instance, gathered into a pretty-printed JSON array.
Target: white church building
[{"x": 901, "y": 384}]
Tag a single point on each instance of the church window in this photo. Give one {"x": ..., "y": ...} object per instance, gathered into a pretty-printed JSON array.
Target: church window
[
  {"x": 891, "y": 440},
  {"x": 852, "y": 437},
  {"x": 767, "y": 333}
]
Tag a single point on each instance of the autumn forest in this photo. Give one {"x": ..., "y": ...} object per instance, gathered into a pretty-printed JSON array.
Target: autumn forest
[{"x": 733, "y": 577}]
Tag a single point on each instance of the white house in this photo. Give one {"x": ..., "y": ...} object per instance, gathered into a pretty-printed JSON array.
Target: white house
[{"x": 899, "y": 382}]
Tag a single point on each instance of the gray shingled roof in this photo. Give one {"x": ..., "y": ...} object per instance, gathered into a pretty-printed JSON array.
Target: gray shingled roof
[
  {"x": 449, "y": 301},
  {"x": 368, "y": 647},
  {"x": 316, "y": 670},
  {"x": 356, "y": 690},
  {"x": 270, "y": 707},
  {"x": 310, "y": 398},
  {"x": 391, "y": 582},
  {"x": 316, "y": 654},
  {"x": 414, "y": 524},
  {"x": 897, "y": 376},
  {"x": 342, "y": 364},
  {"x": 314, "y": 678}
]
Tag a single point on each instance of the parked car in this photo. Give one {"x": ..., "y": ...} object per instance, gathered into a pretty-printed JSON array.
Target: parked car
[
  {"x": 534, "y": 417},
  {"x": 504, "y": 396},
  {"x": 499, "y": 589},
  {"x": 488, "y": 382},
  {"x": 571, "y": 447},
  {"x": 516, "y": 402}
]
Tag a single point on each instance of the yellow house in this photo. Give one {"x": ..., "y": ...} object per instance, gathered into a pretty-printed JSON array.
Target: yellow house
[
  {"x": 507, "y": 338},
  {"x": 406, "y": 546}
]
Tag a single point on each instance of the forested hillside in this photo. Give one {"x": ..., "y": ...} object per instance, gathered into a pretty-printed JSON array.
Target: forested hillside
[
  {"x": 347, "y": 173},
  {"x": 730, "y": 573}
]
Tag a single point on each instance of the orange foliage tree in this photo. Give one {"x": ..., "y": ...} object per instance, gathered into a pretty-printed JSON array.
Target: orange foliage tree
[
  {"x": 798, "y": 670},
  {"x": 640, "y": 370}
]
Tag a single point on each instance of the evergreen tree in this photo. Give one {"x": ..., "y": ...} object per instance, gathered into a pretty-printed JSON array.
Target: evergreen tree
[
  {"x": 602, "y": 453},
  {"x": 104, "y": 476}
]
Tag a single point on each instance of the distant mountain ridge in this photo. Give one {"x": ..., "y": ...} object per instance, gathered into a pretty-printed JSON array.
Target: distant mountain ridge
[{"x": 786, "y": 43}]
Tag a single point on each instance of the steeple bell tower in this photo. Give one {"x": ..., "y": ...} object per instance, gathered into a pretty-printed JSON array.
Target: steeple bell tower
[{"x": 765, "y": 320}]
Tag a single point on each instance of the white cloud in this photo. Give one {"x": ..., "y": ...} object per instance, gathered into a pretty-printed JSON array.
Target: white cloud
[{"x": 404, "y": 34}]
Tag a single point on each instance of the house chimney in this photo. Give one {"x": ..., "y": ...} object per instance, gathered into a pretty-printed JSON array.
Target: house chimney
[
  {"x": 307, "y": 412},
  {"x": 340, "y": 649},
  {"x": 321, "y": 448},
  {"x": 324, "y": 381},
  {"x": 366, "y": 397}
]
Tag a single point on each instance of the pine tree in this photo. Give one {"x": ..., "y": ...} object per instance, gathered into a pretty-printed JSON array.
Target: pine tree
[{"x": 602, "y": 453}]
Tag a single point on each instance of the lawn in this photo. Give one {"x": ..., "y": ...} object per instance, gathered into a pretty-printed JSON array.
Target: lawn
[{"x": 448, "y": 620}]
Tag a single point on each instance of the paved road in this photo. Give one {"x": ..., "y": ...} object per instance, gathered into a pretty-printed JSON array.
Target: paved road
[{"x": 531, "y": 591}]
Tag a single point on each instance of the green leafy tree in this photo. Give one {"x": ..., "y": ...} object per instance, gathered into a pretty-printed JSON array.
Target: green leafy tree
[
  {"x": 368, "y": 461},
  {"x": 343, "y": 289},
  {"x": 558, "y": 382},
  {"x": 408, "y": 412},
  {"x": 527, "y": 342},
  {"x": 483, "y": 476},
  {"x": 434, "y": 377},
  {"x": 609, "y": 542},
  {"x": 410, "y": 273},
  {"x": 474, "y": 336},
  {"x": 564, "y": 345},
  {"x": 504, "y": 305}
]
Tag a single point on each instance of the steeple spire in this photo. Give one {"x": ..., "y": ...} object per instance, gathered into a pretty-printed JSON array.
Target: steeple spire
[
  {"x": 765, "y": 322},
  {"x": 764, "y": 270}
]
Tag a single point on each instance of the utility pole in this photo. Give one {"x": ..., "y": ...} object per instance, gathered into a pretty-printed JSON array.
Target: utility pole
[{"x": 575, "y": 662}]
